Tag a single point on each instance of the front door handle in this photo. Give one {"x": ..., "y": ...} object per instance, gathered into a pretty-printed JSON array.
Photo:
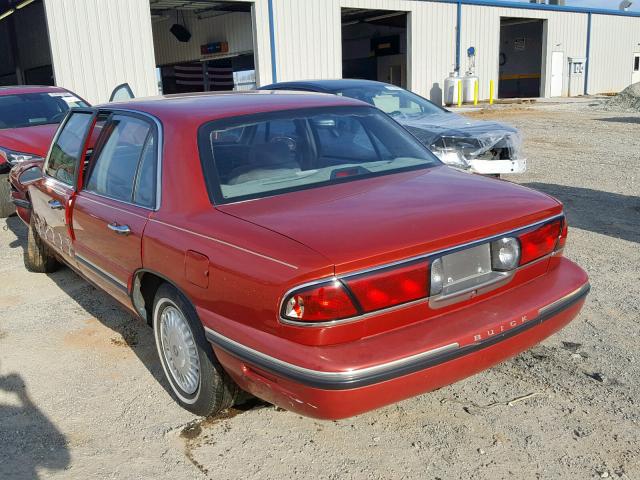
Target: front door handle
[
  {"x": 55, "y": 205},
  {"x": 119, "y": 229}
]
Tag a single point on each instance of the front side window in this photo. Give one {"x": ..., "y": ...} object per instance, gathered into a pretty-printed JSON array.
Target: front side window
[
  {"x": 267, "y": 154},
  {"x": 125, "y": 166},
  {"x": 32, "y": 109},
  {"x": 65, "y": 153},
  {"x": 392, "y": 100}
]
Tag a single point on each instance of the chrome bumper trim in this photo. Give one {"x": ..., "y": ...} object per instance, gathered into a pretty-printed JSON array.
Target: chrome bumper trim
[{"x": 343, "y": 380}]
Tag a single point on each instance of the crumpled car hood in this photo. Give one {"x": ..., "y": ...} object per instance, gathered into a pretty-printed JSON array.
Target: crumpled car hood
[{"x": 429, "y": 128}]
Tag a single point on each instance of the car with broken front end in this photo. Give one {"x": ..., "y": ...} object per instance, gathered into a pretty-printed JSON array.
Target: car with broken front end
[
  {"x": 29, "y": 118},
  {"x": 478, "y": 146},
  {"x": 303, "y": 248}
]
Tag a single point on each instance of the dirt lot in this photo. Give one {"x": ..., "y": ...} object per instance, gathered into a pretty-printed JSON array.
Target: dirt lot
[{"x": 81, "y": 393}]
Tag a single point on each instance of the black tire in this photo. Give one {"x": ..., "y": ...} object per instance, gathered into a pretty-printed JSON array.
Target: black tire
[
  {"x": 38, "y": 257},
  {"x": 215, "y": 391},
  {"x": 6, "y": 206}
]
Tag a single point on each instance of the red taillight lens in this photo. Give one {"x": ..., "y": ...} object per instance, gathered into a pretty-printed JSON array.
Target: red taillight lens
[
  {"x": 390, "y": 287},
  {"x": 326, "y": 302},
  {"x": 540, "y": 242}
]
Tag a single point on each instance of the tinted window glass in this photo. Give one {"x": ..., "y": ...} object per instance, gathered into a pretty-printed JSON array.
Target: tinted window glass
[
  {"x": 29, "y": 109},
  {"x": 114, "y": 172},
  {"x": 392, "y": 100},
  {"x": 308, "y": 148},
  {"x": 345, "y": 138},
  {"x": 63, "y": 161},
  {"x": 636, "y": 64},
  {"x": 144, "y": 192}
]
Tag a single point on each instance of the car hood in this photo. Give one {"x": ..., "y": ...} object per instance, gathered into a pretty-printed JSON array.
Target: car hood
[
  {"x": 34, "y": 140},
  {"x": 383, "y": 219}
]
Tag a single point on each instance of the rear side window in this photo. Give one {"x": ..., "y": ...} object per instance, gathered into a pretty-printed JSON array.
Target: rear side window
[
  {"x": 63, "y": 161},
  {"x": 125, "y": 166}
]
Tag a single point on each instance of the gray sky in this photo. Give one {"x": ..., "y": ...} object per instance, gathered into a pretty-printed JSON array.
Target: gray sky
[{"x": 609, "y": 4}]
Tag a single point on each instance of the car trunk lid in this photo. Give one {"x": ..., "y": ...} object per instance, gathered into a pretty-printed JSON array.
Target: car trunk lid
[{"x": 379, "y": 220}]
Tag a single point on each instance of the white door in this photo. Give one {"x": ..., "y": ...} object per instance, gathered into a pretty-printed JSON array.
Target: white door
[
  {"x": 635, "y": 77},
  {"x": 557, "y": 73}
]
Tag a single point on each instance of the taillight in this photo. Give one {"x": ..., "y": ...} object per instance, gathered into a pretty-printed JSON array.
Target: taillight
[
  {"x": 540, "y": 242},
  {"x": 352, "y": 296},
  {"x": 390, "y": 287},
  {"x": 505, "y": 254},
  {"x": 321, "y": 303},
  {"x": 563, "y": 236}
]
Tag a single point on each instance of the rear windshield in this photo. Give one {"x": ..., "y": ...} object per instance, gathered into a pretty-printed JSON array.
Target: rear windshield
[
  {"x": 30, "y": 109},
  {"x": 267, "y": 154},
  {"x": 392, "y": 100}
]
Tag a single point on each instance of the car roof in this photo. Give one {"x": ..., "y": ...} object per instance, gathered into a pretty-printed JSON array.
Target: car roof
[
  {"x": 204, "y": 107},
  {"x": 327, "y": 86},
  {"x": 22, "y": 89}
]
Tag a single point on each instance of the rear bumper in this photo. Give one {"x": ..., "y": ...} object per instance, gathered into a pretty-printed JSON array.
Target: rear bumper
[
  {"x": 498, "y": 167},
  {"x": 350, "y": 384}
]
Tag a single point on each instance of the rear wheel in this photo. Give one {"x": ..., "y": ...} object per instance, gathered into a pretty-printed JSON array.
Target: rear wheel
[
  {"x": 38, "y": 257},
  {"x": 6, "y": 206},
  {"x": 197, "y": 379}
]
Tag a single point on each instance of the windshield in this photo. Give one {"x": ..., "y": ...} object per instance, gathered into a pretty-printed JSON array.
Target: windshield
[
  {"x": 392, "y": 100},
  {"x": 31, "y": 109},
  {"x": 267, "y": 154}
]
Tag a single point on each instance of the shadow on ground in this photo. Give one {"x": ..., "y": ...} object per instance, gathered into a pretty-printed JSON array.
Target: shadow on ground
[
  {"x": 133, "y": 332},
  {"x": 28, "y": 439},
  {"x": 601, "y": 212},
  {"x": 635, "y": 120}
]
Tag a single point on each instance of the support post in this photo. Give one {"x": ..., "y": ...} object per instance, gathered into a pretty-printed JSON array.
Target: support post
[
  {"x": 272, "y": 41},
  {"x": 588, "y": 53},
  {"x": 491, "y": 92},
  {"x": 458, "y": 27},
  {"x": 475, "y": 92},
  {"x": 459, "y": 93}
]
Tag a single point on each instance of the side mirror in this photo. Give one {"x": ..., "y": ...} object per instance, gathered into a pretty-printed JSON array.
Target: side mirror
[{"x": 31, "y": 174}]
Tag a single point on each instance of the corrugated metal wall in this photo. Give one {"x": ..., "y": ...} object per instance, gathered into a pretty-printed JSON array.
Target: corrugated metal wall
[
  {"x": 308, "y": 39},
  {"x": 566, "y": 32},
  {"x": 96, "y": 45},
  {"x": 613, "y": 43}
]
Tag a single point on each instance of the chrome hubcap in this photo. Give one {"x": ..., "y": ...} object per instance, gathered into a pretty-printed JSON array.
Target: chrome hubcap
[{"x": 179, "y": 349}]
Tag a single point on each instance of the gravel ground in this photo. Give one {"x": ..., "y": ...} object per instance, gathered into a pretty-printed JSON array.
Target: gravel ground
[{"x": 81, "y": 393}]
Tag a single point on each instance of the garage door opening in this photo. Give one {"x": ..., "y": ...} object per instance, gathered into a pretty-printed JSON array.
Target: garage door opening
[
  {"x": 25, "y": 56},
  {"x": 521, "y": 57},
  {"x": 203, "y": 46},
  {"x": 374, "y": 45}
]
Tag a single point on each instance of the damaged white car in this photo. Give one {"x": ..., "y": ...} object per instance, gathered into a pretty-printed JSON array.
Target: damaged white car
[{"x": 487, "y": 148}]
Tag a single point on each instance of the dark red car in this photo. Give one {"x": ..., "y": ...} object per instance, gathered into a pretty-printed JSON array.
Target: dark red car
[
  {"x": 29, "y": 118},
  {"x": 302, "y": 247}
]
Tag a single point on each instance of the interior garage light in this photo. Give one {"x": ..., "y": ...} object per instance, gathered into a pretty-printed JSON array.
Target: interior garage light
[
  {"x": 24, "y": 4},
  {"x": 7, "y": 13}
]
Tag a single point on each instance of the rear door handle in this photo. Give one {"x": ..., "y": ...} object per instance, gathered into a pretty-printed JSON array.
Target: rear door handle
[
  {"x": 119, "y": 229},
  {"x": 55, "y": 205}
]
